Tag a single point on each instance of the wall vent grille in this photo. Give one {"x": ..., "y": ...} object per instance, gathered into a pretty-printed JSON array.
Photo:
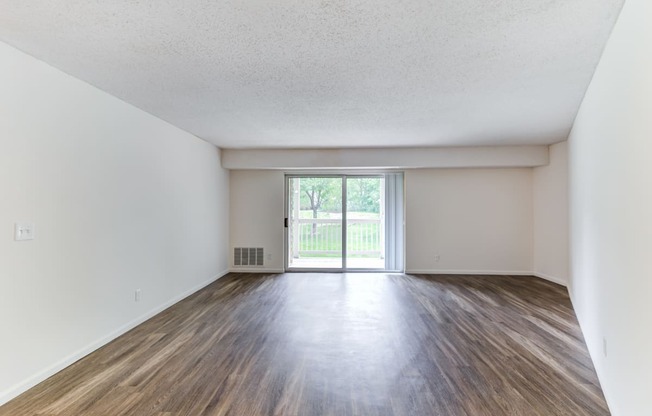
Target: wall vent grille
[{"x": 248, "y": 256}]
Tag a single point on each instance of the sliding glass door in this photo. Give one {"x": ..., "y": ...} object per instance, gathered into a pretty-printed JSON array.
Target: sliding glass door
[
  {"x": 339, "y": 222},
  {"x": 365, "y": 220},
  {"x": 314, "y": 222}
]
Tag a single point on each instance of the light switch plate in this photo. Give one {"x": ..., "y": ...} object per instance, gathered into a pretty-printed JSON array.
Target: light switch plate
[{"x": 24, "y": 231}]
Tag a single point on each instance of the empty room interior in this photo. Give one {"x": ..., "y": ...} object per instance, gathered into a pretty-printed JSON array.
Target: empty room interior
[{"x": 326, "y": 208}]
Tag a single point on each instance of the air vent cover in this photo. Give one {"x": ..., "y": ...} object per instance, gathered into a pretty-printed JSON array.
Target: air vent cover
[{"x": 248, "y": 256}]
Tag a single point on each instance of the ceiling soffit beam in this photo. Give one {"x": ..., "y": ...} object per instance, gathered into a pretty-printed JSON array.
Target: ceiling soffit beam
[{"x": 387, "y": 158}]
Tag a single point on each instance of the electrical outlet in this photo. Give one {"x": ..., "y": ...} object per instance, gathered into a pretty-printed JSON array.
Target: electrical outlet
[
  {"x": 137, "y": 295},
  {"x": 269, "y": 256},
  {"x": 437, "y": 257},
  {"x": 604, "y": 346},
  {"x": 24, "y": 231}
]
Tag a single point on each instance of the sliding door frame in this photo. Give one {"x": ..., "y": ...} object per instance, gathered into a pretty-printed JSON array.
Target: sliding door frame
[{"x": 343, "y": 175}]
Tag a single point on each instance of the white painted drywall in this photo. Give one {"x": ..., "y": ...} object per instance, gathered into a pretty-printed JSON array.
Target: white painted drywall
[
  {"x": 257, "y": 212},
  {"x": 610, "y": 153},
  {"x": 476, "y": 220},
  {"x": 550, "y": 187},
  {"x": 121, "y": 201},
  {"x": 388, "y": 158}
]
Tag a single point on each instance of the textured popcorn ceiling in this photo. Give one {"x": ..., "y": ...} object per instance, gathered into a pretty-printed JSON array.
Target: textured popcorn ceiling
[{"x": 307, "y": 73}]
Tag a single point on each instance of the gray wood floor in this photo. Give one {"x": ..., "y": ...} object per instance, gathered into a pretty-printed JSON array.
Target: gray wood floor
[{"x": 340, "y": 344}]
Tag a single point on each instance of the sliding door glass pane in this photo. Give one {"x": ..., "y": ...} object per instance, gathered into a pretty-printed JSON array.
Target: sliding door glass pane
[
  {"x": 315, "y": 223},
  {"x": 365, "y": 222}
]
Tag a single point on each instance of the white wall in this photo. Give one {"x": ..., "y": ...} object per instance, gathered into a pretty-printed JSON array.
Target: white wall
[
  {"x": 120, "y": 199},
  {"x": 475, "y": 220},
  {"x": 611, "y": 213},
  {"x": 257, "y": 212},
  {"x": 551, "y": 216}
]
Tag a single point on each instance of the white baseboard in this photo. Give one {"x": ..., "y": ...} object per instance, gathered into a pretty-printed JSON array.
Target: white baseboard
[
  {"x": 553, "y": 279},
  {"x": 254, "y": 270},
  {"x": 37, "y": 378},
  {"x": 473, "y": 272}
]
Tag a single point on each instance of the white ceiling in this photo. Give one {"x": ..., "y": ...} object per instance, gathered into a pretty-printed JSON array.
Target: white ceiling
[{"x": 330, "y": 73}]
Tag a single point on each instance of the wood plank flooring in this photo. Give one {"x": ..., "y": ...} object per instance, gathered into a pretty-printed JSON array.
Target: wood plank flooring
[{"x": 340, "y": 344}]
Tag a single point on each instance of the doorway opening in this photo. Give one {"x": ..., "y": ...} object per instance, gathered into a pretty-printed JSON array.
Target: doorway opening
[{"x": 344, "y": 222}]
